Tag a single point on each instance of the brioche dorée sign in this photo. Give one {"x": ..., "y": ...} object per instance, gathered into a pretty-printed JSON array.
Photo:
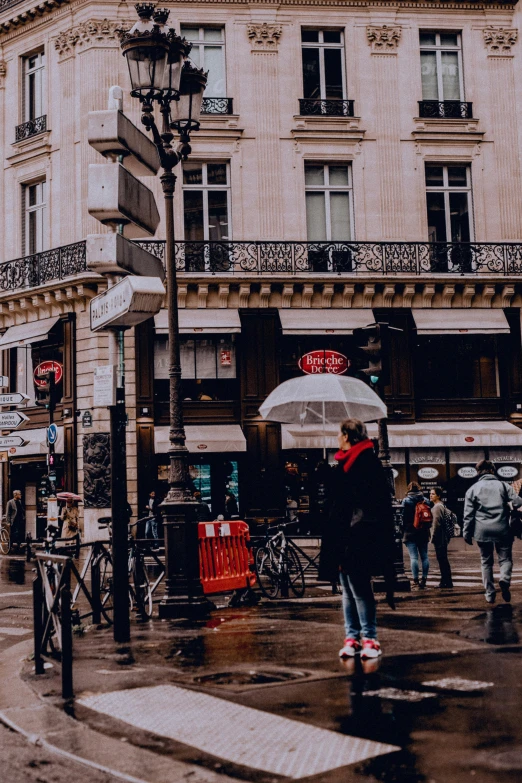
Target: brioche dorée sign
[
  {"x": 316, "y": 362},
  {"x": 45, "y": 367}
]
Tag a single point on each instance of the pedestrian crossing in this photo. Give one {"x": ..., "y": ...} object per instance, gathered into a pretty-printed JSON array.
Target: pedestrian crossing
[{"x": 467, "y": 577}]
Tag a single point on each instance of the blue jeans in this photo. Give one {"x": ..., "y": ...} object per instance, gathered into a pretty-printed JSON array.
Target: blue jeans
[
  {"x": 415, "y": 549},
  {"x": 151, "y": 528},
  {"x": 360, "y": 616},
  {"x": 505, "y": 560}
]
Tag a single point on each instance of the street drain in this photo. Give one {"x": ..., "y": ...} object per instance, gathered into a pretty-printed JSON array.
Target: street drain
[{"x": 240, "y": 678}]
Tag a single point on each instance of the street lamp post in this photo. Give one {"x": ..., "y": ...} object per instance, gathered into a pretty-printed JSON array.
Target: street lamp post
[{"x": 159, "y": 72}]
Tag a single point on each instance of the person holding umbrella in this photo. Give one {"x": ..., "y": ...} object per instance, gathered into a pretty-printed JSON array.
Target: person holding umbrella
[
  {"x": 70, "y": 514},
  {"x": 358, "y": 540}
]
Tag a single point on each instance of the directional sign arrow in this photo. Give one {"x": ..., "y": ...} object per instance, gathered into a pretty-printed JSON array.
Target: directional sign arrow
[
  {"x": 14, "y": 398},
  {"x": 12, "y": 440},
  {"x": 10, "y": 420}
]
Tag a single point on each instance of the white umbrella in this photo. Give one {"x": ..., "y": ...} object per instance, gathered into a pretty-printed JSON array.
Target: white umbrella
[{"x": 326, "y": 398}]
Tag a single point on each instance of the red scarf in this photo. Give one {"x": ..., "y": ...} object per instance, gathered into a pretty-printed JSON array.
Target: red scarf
[{"x": 347, "y": 458}]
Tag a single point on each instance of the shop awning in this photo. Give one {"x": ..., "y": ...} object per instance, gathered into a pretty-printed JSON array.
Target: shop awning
[
  {"x": 37, "y": 443},
  {"x": 206, "y": 321},
  {"x": 460, "y": 321},
  {"x": 26, "y": 334},
  {"x": 204, "y": 439},
  {"x": 323, "y": 321},
  {"x": 433, "y": 434}
]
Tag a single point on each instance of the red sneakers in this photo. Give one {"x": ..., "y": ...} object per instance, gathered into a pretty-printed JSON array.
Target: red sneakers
[
  {"x": 370, "y": 648},
  {"x": 351, "y": 647}
]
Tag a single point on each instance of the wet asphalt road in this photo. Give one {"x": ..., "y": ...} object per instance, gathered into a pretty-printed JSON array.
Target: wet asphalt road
[{"x": 446, "y": 735}]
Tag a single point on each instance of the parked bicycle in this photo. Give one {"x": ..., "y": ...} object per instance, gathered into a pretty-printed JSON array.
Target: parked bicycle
[
  {"x": 278, "y": 567},
  {"x": 5, "y": 537}
]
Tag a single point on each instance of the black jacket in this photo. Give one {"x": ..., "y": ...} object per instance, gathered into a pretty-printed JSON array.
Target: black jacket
[
  {"x": 359, "y": 535},
  {"x": 410, "y": 533}
]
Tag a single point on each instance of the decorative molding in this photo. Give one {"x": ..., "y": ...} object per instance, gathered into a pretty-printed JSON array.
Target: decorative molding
[
  {"x": 264, "y": 36},
  {"x": 448, "y": 292},
  {"x": 93, "y": 32},
  {"x": 202, "y": 295},
  {"x": 286, "y": 296},
  {"x": 428, "y": 292},
  {"x": 467, "y": 295},
  {"x": 264, "y": 295},
  {"x": 488, "y": 292},
  {"x": 384, "y": 39},
  {"x": 244, "y": 294},
  {"x": 29, "y": 15},
  {"x": 499, "y": 40},
  {"x": 507, "y": 294},
  {"x": 407, "y": 295},
  {"x": 182, "y": 294},
  {"x": 308, "y": 292},
  {"x": 97, "y": 470},
  {"x": 368, "y": 294},
  {"x": 223, "y": 291},
  {"x": 348, "y": 294},
  {"x": 328, "y": 292},
  {"x": 3, "y": 72},
  {"x": 387, "y": 295}
]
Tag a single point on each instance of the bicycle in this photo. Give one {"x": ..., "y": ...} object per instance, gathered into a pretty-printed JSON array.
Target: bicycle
[
  {"x": 5, "y": 537},
  {"x": 278, "y": 566}
]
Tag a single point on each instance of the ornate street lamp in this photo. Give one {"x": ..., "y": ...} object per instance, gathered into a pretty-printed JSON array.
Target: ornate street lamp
[{"x": 159, "y": 72}]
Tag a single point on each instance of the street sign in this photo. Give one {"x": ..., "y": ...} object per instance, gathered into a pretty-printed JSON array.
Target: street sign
[
  {"x": 52, "y": 434},
  {"x": 10, "y": 420},
  {"x": 104, "y": 386},
  {"x": 112, "y": 254},
  {"x": 14, "y": 398},
  {"x": 9, "y": 441},
  {"x": 115, "y": 197},
  {"x": 112, "y": 133},
  {"x": 129, "y": 302}
]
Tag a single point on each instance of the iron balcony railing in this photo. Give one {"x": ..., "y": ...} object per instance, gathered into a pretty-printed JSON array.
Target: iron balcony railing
[
  {"x": 454, "y": 110},
  {"x": 41, "y": 268},
  {"x": 418, "y": 258},
  {"x": 325, "y": 108},
  {"x": 216, "y": 106},
  {"x": 31, "y": 128}
]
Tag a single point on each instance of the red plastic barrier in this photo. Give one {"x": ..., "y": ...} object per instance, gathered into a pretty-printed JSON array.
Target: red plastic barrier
[{"x": 225, "y": 560}]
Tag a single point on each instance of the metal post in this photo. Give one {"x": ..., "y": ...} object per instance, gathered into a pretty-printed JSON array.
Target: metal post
[
  {"x": 38, "y": 625},
  {"x": 67, "y": 643},
  {"x": 28, "y": 552},
  {"x": 95, "y": 591}
]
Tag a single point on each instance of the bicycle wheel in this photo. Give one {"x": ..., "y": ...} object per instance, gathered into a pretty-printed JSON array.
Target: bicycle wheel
[
  {"x": 142, "y": 591},
  {"x": 5, "y": 541},
  {"x": 106, "y": 587},
  {"x": 267, "y": 572},
  {"x": 296, "y": 579}
]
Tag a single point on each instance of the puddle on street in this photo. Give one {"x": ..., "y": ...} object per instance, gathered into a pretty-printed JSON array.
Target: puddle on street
[{"x": 498, "y": 625}]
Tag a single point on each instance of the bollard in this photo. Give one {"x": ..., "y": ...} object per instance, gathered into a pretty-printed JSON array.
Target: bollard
[
  {"x": 38, "y": 601},
  {"x": 95, "y": 591},
  {"x": 28, "y": 552},
  {"x": 67, "y": 642}
]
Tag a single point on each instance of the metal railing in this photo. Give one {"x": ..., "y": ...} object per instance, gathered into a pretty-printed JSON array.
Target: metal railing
[
  {"x": 31, "y": 128},
  {"x": 41, "y": 268},
  {"x": 329, "y": 107},
  {"x": 417, "y": 258},
  {"x": 216, "y": 106},
  {"x": 460, "y": 110}
]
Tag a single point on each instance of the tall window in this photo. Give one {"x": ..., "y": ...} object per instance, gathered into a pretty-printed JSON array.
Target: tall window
[
  {"x": 323, "y": 71},
  {"x": 206, "y": 196},
  {"x": 33, "y": 86},
  {"x": 208, "y": 52},
  {"x": 448, "y": 198},
  {"x": 208, "y": 368},
  {"x": 441, "y": 67},
  {"x": 328, "y": 202},
  {"x": 34, "y": 217},
  {"x": 457, "y": 366}
]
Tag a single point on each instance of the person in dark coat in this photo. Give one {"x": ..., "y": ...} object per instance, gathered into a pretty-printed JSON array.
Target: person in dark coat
[
  {"x": 358, "y": 539},
  {"x": 15, "y": 517},
  {"x": 416, "y": 539},
  {"x": 203, "y": 511},
  {"x": 439, "y": 537},
  {"x": 231, "y": 507}
]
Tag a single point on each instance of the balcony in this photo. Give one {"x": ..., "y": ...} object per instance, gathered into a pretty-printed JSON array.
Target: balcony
[
  {"x": 217, "y": 106},
  {"x": 356, "y": 258},
  {"x": 41, "y": 268},
  {"x": 448, "y": 110},
  {"x": 325, "y": 108},
  {"x": 31, "y": 128}
]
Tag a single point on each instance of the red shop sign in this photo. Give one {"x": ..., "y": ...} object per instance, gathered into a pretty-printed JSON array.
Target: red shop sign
[
  {"x": 47, "y": 366},
  {"x": 317, "y": 362},
  {"x": 226, "y": 358}
]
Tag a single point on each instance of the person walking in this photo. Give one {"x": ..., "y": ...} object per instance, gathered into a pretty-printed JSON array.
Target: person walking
[
  {"x": 358, "y": 537},
  {"x": 15, "y": 518},
  {"x": 416, "y": 539},
  {"x": 151, "y": 523},
  {"x": 439, "y": 538},
  {"x": 486, "y": 520},
  {"x": 203, "y": 511}
]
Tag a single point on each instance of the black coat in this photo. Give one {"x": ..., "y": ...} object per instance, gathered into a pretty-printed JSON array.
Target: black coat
[{"x": 359, "y": 535}]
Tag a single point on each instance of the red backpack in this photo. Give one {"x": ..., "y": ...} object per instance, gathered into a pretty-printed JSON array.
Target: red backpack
[{"x": 423, "y": 516}]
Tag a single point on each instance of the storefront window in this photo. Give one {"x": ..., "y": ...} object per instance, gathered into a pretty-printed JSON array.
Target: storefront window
[
  {"x": 25, "y": 360},
  {"x": 428, "y": 468},
  {"x": 208, "y": 368},
  {"x": 456, "y": 366}
]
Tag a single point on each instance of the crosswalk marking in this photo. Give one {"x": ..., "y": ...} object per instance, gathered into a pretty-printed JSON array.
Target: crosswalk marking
[{"x": 238, "y": 734}]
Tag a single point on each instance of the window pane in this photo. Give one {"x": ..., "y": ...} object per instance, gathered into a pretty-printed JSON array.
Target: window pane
[
  {"x": 217, "y": 215},
  {"x": 311, "y": 85},
  {"x": 457, "y": 176},
  {"x": 314, "y": 175},
  {"x": 449, "y": 39},
  {"x": 217, "y": 173},
  {"x": 190, "y": 33},
  {"x": 309, "y": 36},
  {"x": 333, "y": 74},
  {"x": 316, "y": 217},
  {"x": 434, "y": 176},
  {"x": 332, "y": 36},
  {"x": 193, "y": 209},
  {"x": 430, "y": 90},
  {"x": 32, "y": 233},
  {"x": 338, "y": 175},
  {"x": 205, "y": 359},
  {"x": 187, "y": 357},
  {"x": 428, "y": 39},
  {"x": 192, "y": 174},
  {"x": 226, "y": 358},
  {"x": 459, "y": 217},
  {"x": 195, "y": 55},
  {"x": 436, "y": 217},
  {"x": 213, "y": 34},
  {"x": 450, "y": 76},
  {"x": 340, "y": 216},
  {"x": 32, "y": 195},
  {"x": 215, "y": 65},
  {"x": 161, "y": 359}
]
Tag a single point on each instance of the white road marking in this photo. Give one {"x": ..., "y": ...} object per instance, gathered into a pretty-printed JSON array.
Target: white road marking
[
  {"x": 12, "y": 595},
  {"x": 458, "y": 684},
  {"x": 238, "y": 734},
  {"x": 12, "y": 631},
  {"x": 397, "y": 695}
]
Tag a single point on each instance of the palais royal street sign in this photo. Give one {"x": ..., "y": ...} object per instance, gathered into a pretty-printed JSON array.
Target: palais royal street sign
[{"x": 129, "y": 302}]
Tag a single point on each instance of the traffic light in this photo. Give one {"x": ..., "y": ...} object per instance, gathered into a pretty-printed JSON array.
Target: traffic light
[
  {"x": 372, "y": 342},
  {"x": 45, "y": 393}
]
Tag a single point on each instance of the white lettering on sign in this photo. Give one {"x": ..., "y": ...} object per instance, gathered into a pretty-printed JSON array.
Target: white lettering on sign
[
  {"x": 104, "y": 386},
  {"x": 113, "y": 302},
  {"x": 467, "y": 472},
  {"x": 507, "y": 471},
  {"x": 428, "y": 473}
]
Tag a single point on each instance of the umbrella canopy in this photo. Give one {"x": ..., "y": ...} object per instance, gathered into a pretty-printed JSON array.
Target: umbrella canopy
[
  {"x": 68, "y": 496},
  {"x": 326, "y": 398}
]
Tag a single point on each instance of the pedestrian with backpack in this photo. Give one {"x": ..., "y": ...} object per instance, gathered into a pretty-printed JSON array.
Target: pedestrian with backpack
[
  {"x": 487, "y": 514},
  {"x": 416, "y": 520},
  {"x": 442, "y": 531}
]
